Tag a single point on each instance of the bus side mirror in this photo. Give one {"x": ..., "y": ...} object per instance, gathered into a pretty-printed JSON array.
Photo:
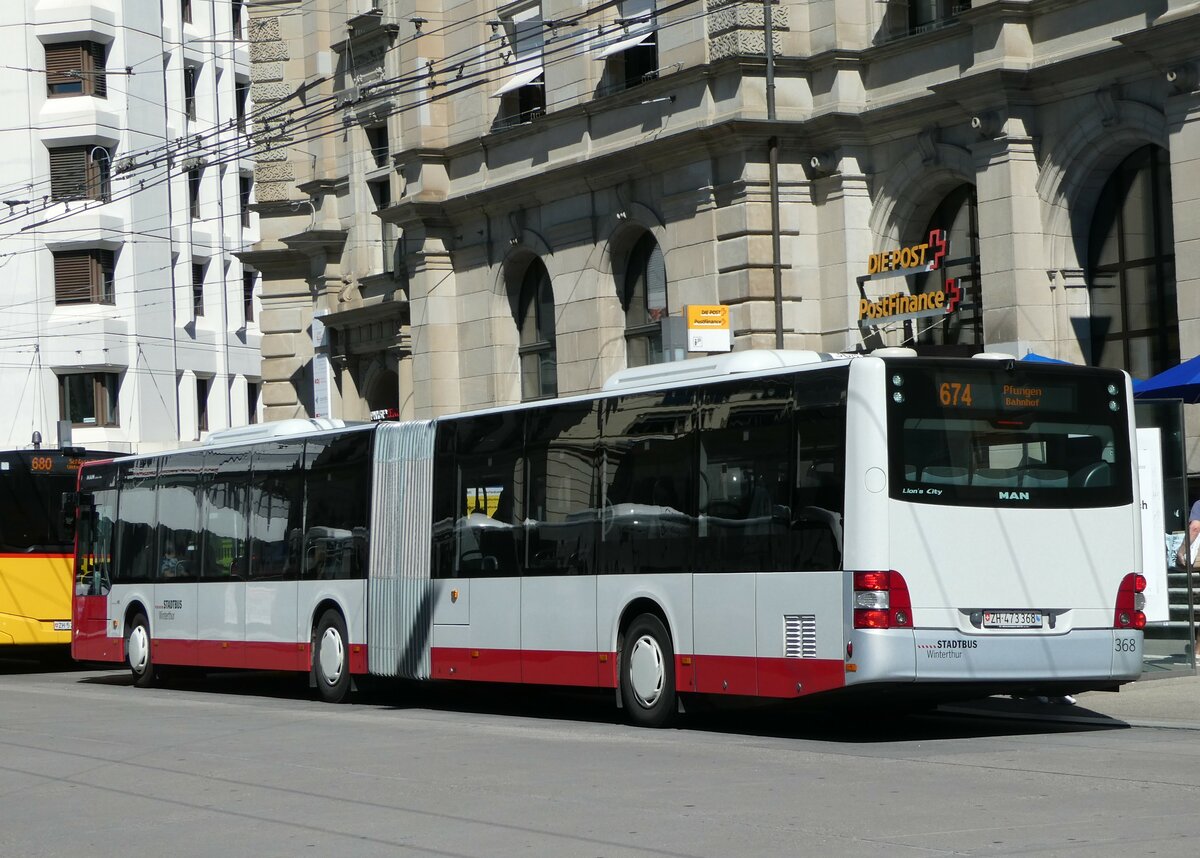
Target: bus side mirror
[
  {"x": 75, "y": 505},
  {"x": 70, "y": 510}
]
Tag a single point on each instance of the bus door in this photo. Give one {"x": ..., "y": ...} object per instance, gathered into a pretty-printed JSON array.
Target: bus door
[
  {"x": 221, "y": 593},
  {"x": 96, "y": 515},
  {"x": 179, "y": 557},
  {"x": 488, "y": 539},
  {"x": 276, "y": 505}
]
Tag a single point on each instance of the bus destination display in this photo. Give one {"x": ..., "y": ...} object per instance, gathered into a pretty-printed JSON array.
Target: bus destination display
[
  {"x": 970, "y": 393},
  {"x": 43, "y": 464}
]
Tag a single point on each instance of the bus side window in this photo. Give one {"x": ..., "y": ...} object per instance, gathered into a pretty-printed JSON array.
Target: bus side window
[
  {"x": 179, "y": 499},
  {"x": 97, "y": 512},
  {"x": 647, "y": 520},
  {"x": 745, "y": 456},
  {"x": 445, "y": 502},
  {"x": 135, "y": 542},
  {"x": 276, "y": 511},
  {"x": 226, "y": 513},
  {"x": 820, "y": 494},
  {"x": 561, "y": 521},
  {"x": 489, "y": 469},
  {"x": 336, "y": 486}
]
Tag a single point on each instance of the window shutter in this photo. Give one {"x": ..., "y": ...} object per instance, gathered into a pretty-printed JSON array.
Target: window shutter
[
  {"x": 73, "y": 277},
  {"x": 102, "y": 279},
  {"x": 60, "y": 60},
  {"x": 68, "y": 173},
  {"x": 656, "y": 284},
  {"x": 97, "y": 85}
]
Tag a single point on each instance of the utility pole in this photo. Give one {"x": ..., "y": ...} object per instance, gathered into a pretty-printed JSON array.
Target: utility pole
[{"x": 773, "y": 163}]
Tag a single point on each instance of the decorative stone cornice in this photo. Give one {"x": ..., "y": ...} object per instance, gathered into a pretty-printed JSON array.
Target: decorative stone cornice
[
  {"x": 983, "y": 91},
  {"x": 276, "y": 263},
  {"x": 317, "y": 240},
  {"x": 383, "y": 311}
]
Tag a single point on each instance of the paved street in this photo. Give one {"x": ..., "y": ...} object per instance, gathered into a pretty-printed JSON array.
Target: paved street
[{"x": 247, "y": 765}]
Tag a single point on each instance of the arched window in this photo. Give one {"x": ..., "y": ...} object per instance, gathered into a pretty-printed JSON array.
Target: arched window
[
  {"x": 535, "y": 320},
  {"x": 1131, "y": 263},
  {"x": 644, "y": 300},
  {"x": 960, "y": 332}
]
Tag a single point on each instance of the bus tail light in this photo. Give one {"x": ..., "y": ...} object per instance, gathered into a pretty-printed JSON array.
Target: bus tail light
[
  {"x": 1131, "y": 600},
  {"x": 881, "y": 601}
]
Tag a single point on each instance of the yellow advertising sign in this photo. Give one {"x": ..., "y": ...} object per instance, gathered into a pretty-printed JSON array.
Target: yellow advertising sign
[
  {"x": 903, "y": 305},
  {"x": 708, "y": 328},
  {"x": 910, "y": 260},
  {"x": 708, "y": 316}
]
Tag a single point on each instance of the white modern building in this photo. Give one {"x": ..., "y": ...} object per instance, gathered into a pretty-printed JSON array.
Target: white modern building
[{"x": 126, "y": 186}]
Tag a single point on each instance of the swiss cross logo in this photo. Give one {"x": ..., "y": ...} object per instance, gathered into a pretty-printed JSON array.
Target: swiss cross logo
[
  {"x": 953, "y": 294},
  {"x": 937, "y": 243}
]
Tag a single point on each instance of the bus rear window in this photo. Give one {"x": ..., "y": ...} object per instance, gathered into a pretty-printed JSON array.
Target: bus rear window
[{"x": 994, "y": 436}]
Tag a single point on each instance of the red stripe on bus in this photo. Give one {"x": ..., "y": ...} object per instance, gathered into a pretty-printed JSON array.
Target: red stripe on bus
[
  {"x": 712, "y": 674},
  {"x": 707, "y": 674},
  {"x": 535, "y": 667}
]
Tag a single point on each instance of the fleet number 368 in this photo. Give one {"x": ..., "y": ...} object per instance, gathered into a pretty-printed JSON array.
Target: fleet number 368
[{"x": 1125, "y": 644}]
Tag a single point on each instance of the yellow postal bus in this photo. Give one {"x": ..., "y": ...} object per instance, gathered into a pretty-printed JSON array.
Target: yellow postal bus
[{"x": 36, "y": 545}]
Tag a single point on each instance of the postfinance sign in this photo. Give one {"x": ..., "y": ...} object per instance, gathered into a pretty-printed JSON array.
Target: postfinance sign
[{"x": 903, "y": 305}]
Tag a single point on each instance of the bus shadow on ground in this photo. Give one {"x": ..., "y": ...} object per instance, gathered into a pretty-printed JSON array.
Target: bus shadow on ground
[
  {"x": 855, "y": 721},
  {"x": 39, "y": 660}
]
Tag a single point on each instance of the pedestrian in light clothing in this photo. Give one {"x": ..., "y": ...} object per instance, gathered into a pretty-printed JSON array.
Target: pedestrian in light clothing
[{"x": 1186, "y": 555}]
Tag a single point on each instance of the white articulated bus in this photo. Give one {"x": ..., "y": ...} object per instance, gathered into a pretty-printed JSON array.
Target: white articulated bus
[{"x": 762, "y": 524}]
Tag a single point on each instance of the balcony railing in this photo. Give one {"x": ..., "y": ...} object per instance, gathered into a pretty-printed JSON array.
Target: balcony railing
[{"x": 515, "y": 120}]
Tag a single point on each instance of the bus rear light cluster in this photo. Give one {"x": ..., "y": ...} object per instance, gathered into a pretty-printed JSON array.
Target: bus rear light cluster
[
  {"x": 1131, "y": 602},
  {"x": 881, "y": 601}
]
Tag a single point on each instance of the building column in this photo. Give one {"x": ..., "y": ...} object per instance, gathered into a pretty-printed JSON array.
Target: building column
[
  {"x": 433, "y": 300},
  {"x": 1022, "y": 306},
  {"x": 842, "y": 199},
  {"x": 1183, "y": 124}
]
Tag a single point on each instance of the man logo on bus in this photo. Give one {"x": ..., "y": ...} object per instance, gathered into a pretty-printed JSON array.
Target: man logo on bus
[{"x": 1023, "y": 496}]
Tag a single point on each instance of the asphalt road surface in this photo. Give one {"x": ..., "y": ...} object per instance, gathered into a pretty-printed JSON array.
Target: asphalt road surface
[{"x": 248, "y": 765}]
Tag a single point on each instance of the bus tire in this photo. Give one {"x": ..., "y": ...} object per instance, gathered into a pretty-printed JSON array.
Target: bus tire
[
  {"x": 331, "y": 658},
  {"x": 138, "y": 651},
  {"x": 647, "y": 673}
]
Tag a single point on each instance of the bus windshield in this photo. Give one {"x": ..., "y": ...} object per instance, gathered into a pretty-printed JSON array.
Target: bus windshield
[
  {"x": 1006, "y": 434},
  {"x": 31, "y": 488}
]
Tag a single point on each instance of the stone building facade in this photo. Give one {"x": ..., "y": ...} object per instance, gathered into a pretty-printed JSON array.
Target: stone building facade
[{"x": 483, "y": 203}]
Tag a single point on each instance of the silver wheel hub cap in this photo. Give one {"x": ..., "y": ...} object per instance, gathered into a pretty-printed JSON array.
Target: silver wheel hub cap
[
  {"x": 139, "y": 649},
  {"x": 331, "y": 656},
  {"x": 647, "y": 673}
]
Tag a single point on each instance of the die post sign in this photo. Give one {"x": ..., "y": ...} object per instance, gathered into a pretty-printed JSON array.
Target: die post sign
[{"x": 708, "y": 328}]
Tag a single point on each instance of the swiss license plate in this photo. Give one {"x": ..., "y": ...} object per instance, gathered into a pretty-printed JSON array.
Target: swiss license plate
[
  {"x": 1012, "y": 619},
  {"x": 62, "y": 625}
]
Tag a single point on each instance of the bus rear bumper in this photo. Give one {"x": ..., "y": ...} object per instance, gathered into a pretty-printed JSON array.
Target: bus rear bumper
[{"x": 948, "y": 656}]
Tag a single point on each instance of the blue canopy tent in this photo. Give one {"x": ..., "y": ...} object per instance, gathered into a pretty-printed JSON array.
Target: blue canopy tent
[{"x": 1178, "y": 382}]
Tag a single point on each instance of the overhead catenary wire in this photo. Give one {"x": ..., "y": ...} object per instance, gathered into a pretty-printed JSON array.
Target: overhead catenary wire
[
  {"x": 442, "y": 68},
  {"x": 399, "y": 85}
]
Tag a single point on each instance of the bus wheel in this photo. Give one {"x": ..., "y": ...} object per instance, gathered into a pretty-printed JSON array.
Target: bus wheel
[
  {"x": 648, "y": 673},
  {"x": 137, "y": 651},
  {"x": 331, "y": 658}
]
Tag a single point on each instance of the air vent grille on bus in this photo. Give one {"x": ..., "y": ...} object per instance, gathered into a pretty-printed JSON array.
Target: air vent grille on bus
[{"x": 800, "y": 635}]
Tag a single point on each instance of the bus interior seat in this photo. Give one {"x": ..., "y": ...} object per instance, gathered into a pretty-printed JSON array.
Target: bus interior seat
[
  {"x": 947, "y": 475},
  {"x": 995, "y": 477},
  {"x": 910, "y": 473},
  {"x": 1093, "y": 475},
  {"x": 1044, "y": 477}
]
